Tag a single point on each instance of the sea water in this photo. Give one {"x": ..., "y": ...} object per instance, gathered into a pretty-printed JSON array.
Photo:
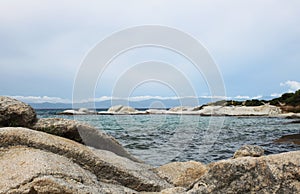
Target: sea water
[{"x": 160, "y": 139}]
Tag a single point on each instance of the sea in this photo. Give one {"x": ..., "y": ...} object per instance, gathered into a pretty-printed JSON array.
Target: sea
[{"x": 160, "y": 139}]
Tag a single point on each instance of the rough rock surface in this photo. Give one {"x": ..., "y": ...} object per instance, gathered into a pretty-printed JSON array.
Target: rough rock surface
[
  {"x": 15, "y": 113},
  {"x": 121, "y": 109},
  {"x": 29, "y": 170},
  {"x": 180, "y": 109},
  {"x": 182, "y": 174},
  {"x": 263, "y": 110},
  {"x": 105, "y": 165},
  {"x": 293, "y": 138},
  {"x": 249, "y": 150},
  {"x": 81, "y": 133},
  {"x": 278, "y": 173},
  {"x": 174, "y": 190}
]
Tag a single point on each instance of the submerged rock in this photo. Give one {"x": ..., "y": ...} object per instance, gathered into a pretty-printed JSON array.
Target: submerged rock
[
  {"x": 293, "y": 138},
  {"x": 81, "y": 133},
  {"x": 106, "y": 166},
  {"x": 267, "y": 174},
  {"x": 249, "y": 150},
  {"x": 182, "y": 174},
  {"x": 15, "y": 113}
]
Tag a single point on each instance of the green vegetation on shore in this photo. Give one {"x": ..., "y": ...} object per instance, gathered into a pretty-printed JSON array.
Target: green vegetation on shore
[{"x": 289, "y": 102}]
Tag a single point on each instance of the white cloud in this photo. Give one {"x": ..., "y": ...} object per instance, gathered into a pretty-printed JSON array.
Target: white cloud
[
  {"x": 292, "y": 85},
  {"x": 242, "y": 97},
  {"x": 257, "y": 97},
  {"x": 275, "y": 95}
]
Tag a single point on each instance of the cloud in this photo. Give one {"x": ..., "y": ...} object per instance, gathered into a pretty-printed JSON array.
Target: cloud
[
  {"x": 275, "y": 95},
  {"x": 292, "y": 85},
  {"x": 242, "y": 97},
  {"x": 257, "y": 97}
]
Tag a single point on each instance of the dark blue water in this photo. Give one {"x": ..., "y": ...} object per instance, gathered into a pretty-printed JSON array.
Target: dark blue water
[{"x": 159, "y": 139}]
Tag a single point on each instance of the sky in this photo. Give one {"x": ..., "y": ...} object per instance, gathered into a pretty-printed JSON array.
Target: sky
[{"x": 255, "y": 45}]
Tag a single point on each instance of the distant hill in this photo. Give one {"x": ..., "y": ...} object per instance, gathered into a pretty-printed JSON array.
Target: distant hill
[
  {"x": 144, "y": 104},
  {"x": 288, "y": 102}
]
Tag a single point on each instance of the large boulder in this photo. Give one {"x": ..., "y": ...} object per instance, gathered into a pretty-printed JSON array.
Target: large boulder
[
  {"x": 29, "y": 170},
  {"x": 120, "y": 109},
  {"x": 81, "y": 133},
  {"x": 106, "y": 166},
  {"x": 15, "y": 113},
  {"x": 267, "y": 174},
  {"x": 182, "y": 174},
  {"x": 249, "y": 150}
]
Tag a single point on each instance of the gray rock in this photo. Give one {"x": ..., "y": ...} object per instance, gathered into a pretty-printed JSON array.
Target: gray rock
[
  {"x": 121, "y": 109},
  {"x": 249, "y": 150},
  {"x": 292, "y": 138},
  {"x": 174, "y": 190},
  {"x": 182, "y": 174},
  {"x": 106, "y": 166},
  {"x": 29, "y": 170},
  {"x": 267, "y": 174},
  {"x": 15, "y": 113},
  {"x": 81, "y": 133}
]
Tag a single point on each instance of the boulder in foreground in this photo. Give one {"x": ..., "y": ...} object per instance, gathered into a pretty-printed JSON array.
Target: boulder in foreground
[
  {"x": 14, "y": 113},
  {"x": 267, "y": 174},
  {"x": 249, "y": 150},
  {"x": 104, "y": 165},
  {"x": 81, "y": 133},
  {"x": 182, "y": 174},
  {"x": 29, "y": 170}
]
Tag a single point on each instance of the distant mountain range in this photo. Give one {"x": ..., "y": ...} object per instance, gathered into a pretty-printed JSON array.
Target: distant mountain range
[
  {"x": 142, "y": 104},
  {"x": 149, "y": 103}
]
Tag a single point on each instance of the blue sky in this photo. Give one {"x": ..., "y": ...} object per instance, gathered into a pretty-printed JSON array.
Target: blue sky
[{"x": 256, "y": 44}]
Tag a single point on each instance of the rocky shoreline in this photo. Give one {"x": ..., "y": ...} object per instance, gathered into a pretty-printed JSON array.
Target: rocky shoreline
[
  {"x": 65, "y": 156},
  {"x": 207, "y": 110}
]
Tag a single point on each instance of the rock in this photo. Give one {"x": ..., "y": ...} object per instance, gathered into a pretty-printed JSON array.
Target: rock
[
  {"x": 295, "y": 122},
  {"x": 292, "y": 115},
  {"x": 71, "y": 112},
  {"x": 121, "y": 109},
  {"x": 15, "y": 113},
  {"x": 267, "y": 174},
  {"x": 174, "y": 190},
  {"x": 182, "y": 174},
  {"x": 155, "y": 111},
  {"x": 29, "y": 170},
  {"x": 181, "y": 109},
  {"x": 106, "y": 166},
  {"x": 293, "y": 138},
  {"x": 249, "y": 150},
  {"x": 81, "y": 133},
  {"x": 81, "y": 111},
  {"x": 264, "y": 110}
]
